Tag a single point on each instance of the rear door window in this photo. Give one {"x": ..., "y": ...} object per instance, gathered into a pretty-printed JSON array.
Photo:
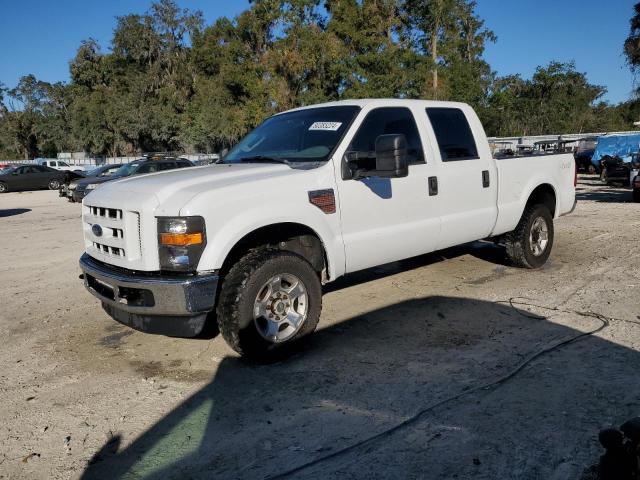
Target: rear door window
[
  {"x": 167, "y": 165},
  {"x": 148, "y": 168},
  {"x": 453, "y": 134}
]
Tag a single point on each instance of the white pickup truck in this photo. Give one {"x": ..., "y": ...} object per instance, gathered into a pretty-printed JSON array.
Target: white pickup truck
[
  {"x": 60, "y": 165},
  {"x": 308, "y": 196}
]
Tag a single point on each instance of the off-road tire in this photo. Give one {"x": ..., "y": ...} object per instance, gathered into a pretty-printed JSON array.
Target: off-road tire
[
  {"x": 518, "y": 244},
  {"x": 4, "y": 188},
  {"x": 54, "y": 184},
  {"x": 239, "y": 289}
]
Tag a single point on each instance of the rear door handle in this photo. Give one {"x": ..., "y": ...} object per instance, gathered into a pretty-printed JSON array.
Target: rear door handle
[
  {"x": 486, "y": 181},
  {"x": 433, "y": 186}
]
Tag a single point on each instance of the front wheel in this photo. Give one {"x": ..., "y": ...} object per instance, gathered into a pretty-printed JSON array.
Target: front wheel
[
  {"x": 268, "y": 300},
  {"x": 529, "y": 245},
  {"x": 54, "y": 184}
]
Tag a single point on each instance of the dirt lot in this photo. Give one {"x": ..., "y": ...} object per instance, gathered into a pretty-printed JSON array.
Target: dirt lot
[{"x": 82, "y": 395}]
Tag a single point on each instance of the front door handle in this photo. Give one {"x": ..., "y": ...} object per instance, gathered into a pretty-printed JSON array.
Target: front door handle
[
  {"x": 433, "y": 186},
  {"x": 486, "y": 181}
]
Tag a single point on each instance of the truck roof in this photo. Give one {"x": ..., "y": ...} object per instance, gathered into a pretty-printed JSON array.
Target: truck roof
[{"x": 386, "y": 102}]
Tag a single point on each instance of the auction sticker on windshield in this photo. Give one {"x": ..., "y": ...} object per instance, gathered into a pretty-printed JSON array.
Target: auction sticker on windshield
[{"x": 330, "y": 126}]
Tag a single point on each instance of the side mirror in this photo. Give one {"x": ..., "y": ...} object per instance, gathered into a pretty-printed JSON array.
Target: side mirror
[{"x": 391, "y": 156}]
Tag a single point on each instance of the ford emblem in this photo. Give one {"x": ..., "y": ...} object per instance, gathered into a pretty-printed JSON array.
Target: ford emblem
[{"x": 97, "y": 230}]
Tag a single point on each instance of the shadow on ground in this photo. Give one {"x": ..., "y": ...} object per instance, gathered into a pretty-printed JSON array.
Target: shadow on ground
[
  {"x": 371, "y": 372},
  {"x": 482, "y": 249},
  {"x": 602, "y": 193},
  {"x": 10, "y": 212}
]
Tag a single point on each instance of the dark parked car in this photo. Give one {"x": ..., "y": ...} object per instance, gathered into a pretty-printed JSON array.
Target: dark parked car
[
  {"x": 615, "y": 171},
  {"x": 67, "y": 189},
  {"x": 30, "y": 177},
  {"x": 137, "y": 167}
]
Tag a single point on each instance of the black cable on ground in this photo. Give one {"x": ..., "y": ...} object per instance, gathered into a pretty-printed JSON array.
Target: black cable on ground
[{"x": 501, "y": 381}]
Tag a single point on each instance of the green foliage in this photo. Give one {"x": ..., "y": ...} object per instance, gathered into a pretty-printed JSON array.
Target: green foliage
[
  {"x": 169, "y": 82},
  {"x": 632, "y": 43}
]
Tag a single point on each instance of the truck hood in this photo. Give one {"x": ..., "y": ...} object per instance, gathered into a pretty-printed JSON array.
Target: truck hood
[{"x": 174, "y": 188}]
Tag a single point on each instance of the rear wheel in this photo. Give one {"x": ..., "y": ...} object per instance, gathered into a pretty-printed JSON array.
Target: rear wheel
[
  {"x": 268, "y": 301},
  {"x": 529, "y": 245},
  {"x": 54, "y": 184},
  {"x": 3, "y": 187}
]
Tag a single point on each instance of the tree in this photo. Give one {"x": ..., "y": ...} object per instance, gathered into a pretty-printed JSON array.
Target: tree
[
  {"x": 168, "y": 82},
  {"x": 632, "y": 43}
]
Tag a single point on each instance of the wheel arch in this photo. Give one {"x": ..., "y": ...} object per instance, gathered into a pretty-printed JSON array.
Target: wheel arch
[
  {"x": 544, "y": 194},
  {"x": 288, "y": 236}
]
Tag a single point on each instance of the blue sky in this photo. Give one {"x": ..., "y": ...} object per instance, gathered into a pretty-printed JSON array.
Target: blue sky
[{"x": 40, "y": 37}]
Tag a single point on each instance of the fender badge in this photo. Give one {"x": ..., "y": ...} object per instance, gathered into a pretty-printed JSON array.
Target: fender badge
[{"x": 97, "y": 230}]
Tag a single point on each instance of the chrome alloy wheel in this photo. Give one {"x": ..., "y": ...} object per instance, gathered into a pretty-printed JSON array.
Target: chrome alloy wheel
[
  {"x": 539, "y": 236},
  {"x": 280, "y": 308}
]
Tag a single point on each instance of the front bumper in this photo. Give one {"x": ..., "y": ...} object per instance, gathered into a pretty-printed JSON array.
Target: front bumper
[{"x": 162, "y": 304}]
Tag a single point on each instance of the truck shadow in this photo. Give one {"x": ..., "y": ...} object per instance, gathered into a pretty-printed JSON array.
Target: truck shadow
[
  {"x": 10, "y": 212},
  {"x": 373, "y": 371},
  {"x": 606, "y": 194},
  {"x": 484, "y": 250}
]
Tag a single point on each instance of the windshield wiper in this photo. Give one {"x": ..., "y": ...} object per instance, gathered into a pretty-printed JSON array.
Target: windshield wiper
[{"x": 262, "y": 158}]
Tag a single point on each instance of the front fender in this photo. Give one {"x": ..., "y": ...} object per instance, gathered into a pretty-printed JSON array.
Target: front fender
[{"x": 224, "y": 234}]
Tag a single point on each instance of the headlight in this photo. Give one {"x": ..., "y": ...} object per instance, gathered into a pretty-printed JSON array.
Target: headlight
[
  {"x": 91, "y": 186},
  {"x": 181, "y": 241}
]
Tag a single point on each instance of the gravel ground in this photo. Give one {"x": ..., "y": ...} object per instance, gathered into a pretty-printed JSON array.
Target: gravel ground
[{"x": 82, "y": 396}]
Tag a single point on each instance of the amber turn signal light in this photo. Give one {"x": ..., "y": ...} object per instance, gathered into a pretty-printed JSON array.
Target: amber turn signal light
[{"x": 181, "y": 239}]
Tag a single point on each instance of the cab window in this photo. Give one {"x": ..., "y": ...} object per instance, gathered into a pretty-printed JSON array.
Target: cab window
[
  {"x": 453, "y": 134},
  {"x": 389, "y": 120}
]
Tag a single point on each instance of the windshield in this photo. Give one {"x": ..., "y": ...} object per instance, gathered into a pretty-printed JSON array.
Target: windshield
[
  {"x": 308, "y": 135},
  {"x": 126, "y": 169}
]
